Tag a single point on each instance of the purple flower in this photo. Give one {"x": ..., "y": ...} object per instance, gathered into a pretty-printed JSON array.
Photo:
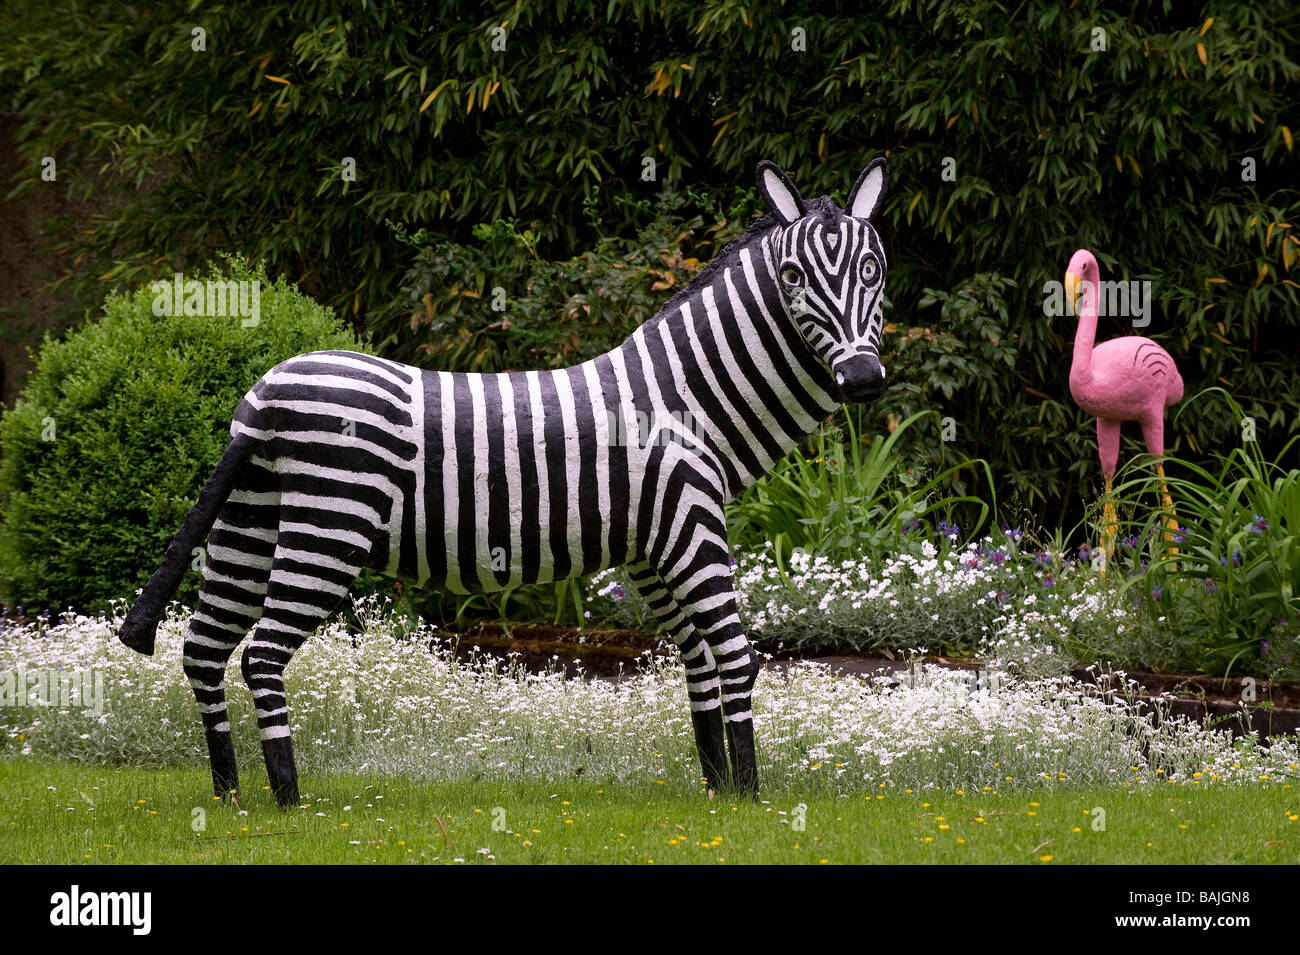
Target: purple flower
[
  {"x": 998, "y": 557},
  {"x": 910, "y": 525},
  {"x": 1210, "y": 586},
  {"x": 1260, "y": 525},
  {"x": 1048, "y": 580},
  {"x": 1013, "y": 533},
  {"x": 1156, "y": 593},
  {"x": 949, "y": 530},
  {"x": 1130, "y": 542}
]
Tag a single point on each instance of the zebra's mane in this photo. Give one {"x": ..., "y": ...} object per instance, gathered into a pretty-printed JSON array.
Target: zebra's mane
[{"x": 822, "y": 206}]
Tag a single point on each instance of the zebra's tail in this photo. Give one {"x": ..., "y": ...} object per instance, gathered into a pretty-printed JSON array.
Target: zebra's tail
[{"x": 141, "y": 624}]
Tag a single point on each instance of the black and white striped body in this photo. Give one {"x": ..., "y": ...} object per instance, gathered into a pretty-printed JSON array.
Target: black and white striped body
[{"x": 474, "y": 483}]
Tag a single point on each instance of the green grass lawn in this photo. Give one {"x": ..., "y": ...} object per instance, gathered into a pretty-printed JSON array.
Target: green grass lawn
[{"x": 59, "y": 812}]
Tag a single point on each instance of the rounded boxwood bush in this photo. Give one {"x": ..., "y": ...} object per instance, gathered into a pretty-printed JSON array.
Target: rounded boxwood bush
[{"x": 118, "y": 428}]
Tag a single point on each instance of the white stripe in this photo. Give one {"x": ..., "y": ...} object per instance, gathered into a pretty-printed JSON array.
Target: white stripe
[
  {"x": 450, "y": 489},
  {"x": 546, "y": 561},
  {"x": 514, "y": 499},
  {"x": 600, "y": 415}
]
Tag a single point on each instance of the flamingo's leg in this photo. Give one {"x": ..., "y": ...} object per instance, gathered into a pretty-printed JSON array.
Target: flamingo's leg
[
  {"x": 1171, "y": 517},
  {"x": 1153, "y": 434},
  {"x": 1108, "y": 451},
  {"x": 1109, "y": 525}
]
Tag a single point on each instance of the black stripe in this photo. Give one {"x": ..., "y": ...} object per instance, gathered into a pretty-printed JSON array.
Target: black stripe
[
  {"x": 466, "y": 552},
  {"x": 618, "y": 478},
  {"x": 434, "y": 543},
  {"x": 588, "y": 479},
  {"x": 557, "y": 477},
  {"x": 303, "y": 365},
  {"x": 401, "y": 372},
  {"x": 498, "y": 513}
]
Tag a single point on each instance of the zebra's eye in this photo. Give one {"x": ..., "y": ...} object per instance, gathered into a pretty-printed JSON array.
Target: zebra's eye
[
  {"x": 791, "y": 275},
  {"x": 870, "y": 269}
]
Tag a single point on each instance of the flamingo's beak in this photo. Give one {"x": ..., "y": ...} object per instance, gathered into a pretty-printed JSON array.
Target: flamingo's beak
[{"x": 1073, "y": 281}]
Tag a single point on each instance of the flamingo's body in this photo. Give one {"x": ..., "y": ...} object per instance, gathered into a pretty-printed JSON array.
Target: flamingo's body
[{"x": 1124, "y": 379}]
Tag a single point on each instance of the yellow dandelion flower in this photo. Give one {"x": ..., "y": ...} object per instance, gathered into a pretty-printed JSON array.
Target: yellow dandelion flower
[
  {"x": 944, "y": 826},
  {"x": 1045, "y": 858}
]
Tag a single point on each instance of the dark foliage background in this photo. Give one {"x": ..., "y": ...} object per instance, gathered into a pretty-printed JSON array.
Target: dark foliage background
[{"x": 521, "y": 168}]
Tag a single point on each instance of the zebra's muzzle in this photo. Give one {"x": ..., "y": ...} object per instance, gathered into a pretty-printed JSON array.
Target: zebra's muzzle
[{"x": 861, "y": 378}]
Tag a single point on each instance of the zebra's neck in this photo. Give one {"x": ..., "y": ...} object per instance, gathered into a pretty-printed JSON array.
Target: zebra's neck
[{"x": 726, "y": 361}]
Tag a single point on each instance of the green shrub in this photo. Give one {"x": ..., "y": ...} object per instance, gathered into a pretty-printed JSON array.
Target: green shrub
[{"x": 118, "y": 428}]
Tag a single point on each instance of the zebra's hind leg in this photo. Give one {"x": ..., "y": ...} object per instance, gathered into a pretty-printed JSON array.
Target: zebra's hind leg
[
  {"x": 235, "y": 573},
  {"x": 304, "y": 589},
  {"x": 702, "y": 683}
]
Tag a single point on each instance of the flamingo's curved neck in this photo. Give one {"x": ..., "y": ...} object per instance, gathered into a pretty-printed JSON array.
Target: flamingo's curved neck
[{"x": 1084, "y": 336}]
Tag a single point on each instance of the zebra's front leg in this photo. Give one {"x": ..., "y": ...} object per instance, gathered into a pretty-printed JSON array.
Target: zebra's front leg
[
  {"x": 738, "y": 678},
  {"x": 699, "y": 580},
  {"x": 703, "y": 687}
]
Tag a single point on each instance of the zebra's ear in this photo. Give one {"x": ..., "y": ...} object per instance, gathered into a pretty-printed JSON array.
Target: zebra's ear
[
  {"x": 781, "y": 195},
  {"x": 868, "y": 194}
]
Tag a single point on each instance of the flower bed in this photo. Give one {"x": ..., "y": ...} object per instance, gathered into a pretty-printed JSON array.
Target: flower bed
[{"x": 405, "y": 706}]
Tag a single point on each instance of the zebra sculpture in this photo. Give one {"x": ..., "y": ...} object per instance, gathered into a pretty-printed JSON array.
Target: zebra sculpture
[{"x": 340, "y": 461}]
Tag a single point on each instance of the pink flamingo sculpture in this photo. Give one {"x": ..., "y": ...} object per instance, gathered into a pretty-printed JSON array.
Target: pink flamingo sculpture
[{"x": 1124, "y": 379}]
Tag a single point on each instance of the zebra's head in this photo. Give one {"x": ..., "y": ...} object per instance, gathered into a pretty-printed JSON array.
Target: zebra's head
[{"x": 830, "y": 268}]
